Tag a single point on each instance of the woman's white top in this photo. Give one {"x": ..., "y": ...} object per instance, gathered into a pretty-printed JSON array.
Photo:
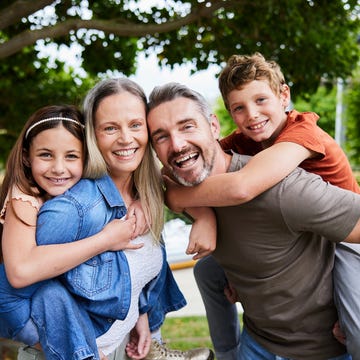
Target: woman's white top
[{"x": 144, "y": 265}]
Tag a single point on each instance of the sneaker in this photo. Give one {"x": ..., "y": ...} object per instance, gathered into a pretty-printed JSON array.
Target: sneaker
[{"x": 161, "y": 352}]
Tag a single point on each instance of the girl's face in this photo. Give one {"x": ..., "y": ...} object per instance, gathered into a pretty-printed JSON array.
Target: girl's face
[
  {"x": 121, "y": 133},
  {"x": 56, "y": 159},
  {"x": 258, "y": 112}
]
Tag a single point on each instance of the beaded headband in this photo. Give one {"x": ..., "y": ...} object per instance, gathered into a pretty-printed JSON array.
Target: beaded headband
[{"x": 59, "y": 118}]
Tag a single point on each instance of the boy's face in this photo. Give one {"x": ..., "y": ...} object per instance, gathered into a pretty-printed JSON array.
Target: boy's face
[
  {"x": 257, "y": 111},
  {"x": 184, "y": 140}
]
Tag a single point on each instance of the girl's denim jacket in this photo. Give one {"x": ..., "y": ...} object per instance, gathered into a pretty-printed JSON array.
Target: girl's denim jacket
[{"x": 102, "y": 284}]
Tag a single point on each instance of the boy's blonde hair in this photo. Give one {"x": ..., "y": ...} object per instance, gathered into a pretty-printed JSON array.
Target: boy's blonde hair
[{"x": 241, "y": 69}]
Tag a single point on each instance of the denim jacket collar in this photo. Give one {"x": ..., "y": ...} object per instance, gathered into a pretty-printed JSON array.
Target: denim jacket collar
[{"x": 110, "y": 192}]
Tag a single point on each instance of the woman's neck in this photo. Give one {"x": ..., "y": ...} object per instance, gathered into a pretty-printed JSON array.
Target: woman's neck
[{"x": 125, "y": 185}]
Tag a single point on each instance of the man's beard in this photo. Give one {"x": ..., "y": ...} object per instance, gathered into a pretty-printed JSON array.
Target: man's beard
[{"x": 205, "y": 172}]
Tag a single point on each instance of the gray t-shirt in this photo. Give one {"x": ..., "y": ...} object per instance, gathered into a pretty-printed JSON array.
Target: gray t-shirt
[{"x": 276, "y": 251}]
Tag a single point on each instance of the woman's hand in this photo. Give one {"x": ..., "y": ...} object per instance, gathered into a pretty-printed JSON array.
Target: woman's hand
[
  {"x": 102, "y": 356},
  {"x": 140, "y": 339}
]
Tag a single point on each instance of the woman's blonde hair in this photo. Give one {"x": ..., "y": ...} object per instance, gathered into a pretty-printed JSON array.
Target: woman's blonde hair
[{"x": 147, "y": 177}]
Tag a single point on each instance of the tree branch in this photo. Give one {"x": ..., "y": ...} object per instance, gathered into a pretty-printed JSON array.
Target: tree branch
[
  {"x": 26, "y": 38},
  {"x": 19, "y": 9}
]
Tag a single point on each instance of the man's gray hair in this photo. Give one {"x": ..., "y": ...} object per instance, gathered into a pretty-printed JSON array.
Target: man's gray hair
[{"x": 174, "y": 90}]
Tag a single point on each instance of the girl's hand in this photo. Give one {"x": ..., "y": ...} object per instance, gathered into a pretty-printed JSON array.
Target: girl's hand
[
  {"x": 119, "y": 233},
  {"x": 140, "y": 339},
  {"x": 141, "y": 225}
]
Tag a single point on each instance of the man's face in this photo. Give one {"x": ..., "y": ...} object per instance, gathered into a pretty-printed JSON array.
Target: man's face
[{"x": 184, "y": 140}]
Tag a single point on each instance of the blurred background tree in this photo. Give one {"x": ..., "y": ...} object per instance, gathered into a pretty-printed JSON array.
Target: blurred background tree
[
  {"x": 352, "y": 116},
  {"x": 313, "y": 41}
]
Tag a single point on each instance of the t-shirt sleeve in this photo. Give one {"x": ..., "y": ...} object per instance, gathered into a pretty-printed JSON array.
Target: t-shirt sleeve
[
  {"x": 302, "y": 129},
  {"x": 58, "y": 222},
  {"x": 312, "y": 205}
]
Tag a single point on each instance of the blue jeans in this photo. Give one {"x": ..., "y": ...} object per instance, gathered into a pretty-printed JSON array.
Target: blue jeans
[
  {"x": 47, "y": 313},
  {"x": 65, "y": 329},
  {"x": 251, "y": 350},
  {"x": 15, "y": 308},
  {"x": 222, "y": 316},
  {"x": 347, "y": 294}
]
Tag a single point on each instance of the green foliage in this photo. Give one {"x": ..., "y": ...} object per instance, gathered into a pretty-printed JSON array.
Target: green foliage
[
  {"x": 352, "y": 116},
  {"x": 26, "y": 88},
  {"x": 226, "y": 122},
  {"x": 323, "y": 102},
  {"x": 311, "y": 40},
  {"x": 170, "y": 215}
]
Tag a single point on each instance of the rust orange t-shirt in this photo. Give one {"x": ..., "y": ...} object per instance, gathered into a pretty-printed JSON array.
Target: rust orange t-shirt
[{"x": 301, "y": 128}]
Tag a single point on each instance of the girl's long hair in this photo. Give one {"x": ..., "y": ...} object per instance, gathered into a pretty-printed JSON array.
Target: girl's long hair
[{"x": 18, "y": 171}]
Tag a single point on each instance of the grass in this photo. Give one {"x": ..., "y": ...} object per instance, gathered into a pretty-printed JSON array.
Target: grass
[{"x": 183, "y": 333}]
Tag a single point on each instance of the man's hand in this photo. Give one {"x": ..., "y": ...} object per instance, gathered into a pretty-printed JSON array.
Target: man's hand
[
  {"x": 338, "y": 334},
  {"x": 140, "y": 339}
]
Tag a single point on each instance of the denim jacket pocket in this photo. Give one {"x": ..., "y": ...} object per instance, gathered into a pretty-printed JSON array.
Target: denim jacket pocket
[{"x": 93, "y": 276}]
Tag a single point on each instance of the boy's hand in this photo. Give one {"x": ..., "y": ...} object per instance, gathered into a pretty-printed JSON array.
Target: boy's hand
[
  {"x": 338, "y": 334},
  {"x": 202, "y": 240},
  {"x": 231, "y": 294}
]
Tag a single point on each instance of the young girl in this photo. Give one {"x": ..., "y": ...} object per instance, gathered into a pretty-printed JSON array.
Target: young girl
[
  {"x": 256, "y": 95},
  {"x": 46, "y": 160}
]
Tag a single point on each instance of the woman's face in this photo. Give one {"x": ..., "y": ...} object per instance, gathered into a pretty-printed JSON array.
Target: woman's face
[{"x": 121, "y": 132}]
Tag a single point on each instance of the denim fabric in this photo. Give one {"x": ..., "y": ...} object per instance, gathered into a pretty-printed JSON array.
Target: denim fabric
[
  {"x": 160, "y": 296},
  {"x": 81, "y": 212},
  {"x": 102, "y": 283},
  {"x": 222, "y": 316},
  {"x": 347, "y": 294},
  {"x": 251, "y": 350},
  {"x": 14, "y": 306},
  {"x": 96, "y": 292},
  {"x": 65, "y": 329}
]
